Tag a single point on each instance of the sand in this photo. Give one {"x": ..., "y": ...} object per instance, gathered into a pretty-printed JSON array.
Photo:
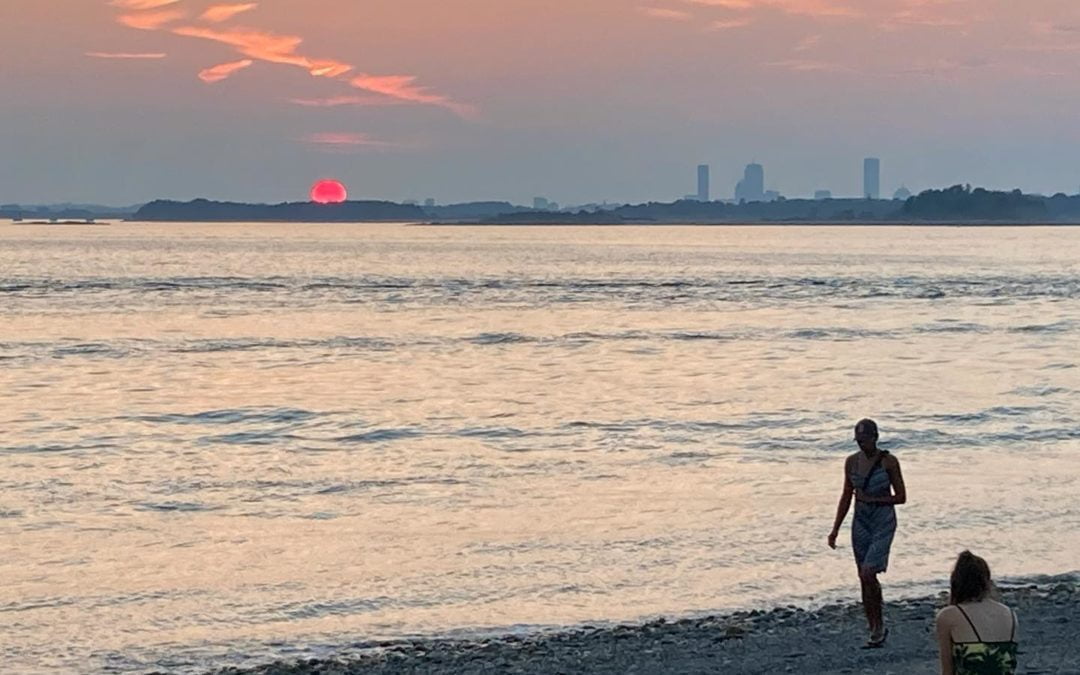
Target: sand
[{"x": 783, "y": 640}]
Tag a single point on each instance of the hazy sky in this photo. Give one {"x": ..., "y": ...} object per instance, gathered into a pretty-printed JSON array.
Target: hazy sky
[{"x": 579, "y": 100}]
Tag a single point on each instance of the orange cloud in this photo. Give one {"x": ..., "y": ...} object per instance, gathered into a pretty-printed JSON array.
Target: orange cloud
[
  {"x": 260, "y": 45},
  {"x": 222, "y": 13},
  {"x": 151, "y": 20},
  {"x": 269, "y": 47},
  {"x": 126, "y": 55},
  {"x": 224, "y": 71},
  {"x": 142, "y": 4}
]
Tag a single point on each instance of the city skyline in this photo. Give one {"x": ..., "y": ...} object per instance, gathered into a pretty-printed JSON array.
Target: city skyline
[{"x": 130, "y": 100}]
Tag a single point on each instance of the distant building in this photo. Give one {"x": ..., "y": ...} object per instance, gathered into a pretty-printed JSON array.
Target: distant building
[
  {"x": 429, "y": 202},
  {"x": 872, "y": 178},
  {"x": 703, "y": 183},
  {"x": 541, "y": 203},
  {"x": 773, "y": 196},
  {"x": 822, "y": 195},
  {"x": 902, "y": 194},
  {"x": 752, "y": 187}
]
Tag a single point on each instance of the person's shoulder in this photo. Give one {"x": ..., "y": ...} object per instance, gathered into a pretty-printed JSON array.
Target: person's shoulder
[
  {"x": 999, "y": 606},
  {"x": 948, "y": 613},
  {"x": 851, "y": 459},
  {"x": 890, "y": 460}
]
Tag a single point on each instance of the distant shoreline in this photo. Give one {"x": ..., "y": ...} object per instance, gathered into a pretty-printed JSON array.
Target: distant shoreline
[
  {"x": 598, "y": 223},
  {"x": 958, "y": 205},
  {"x": 761, "y": 223},
  {"x": 435, "y": 223}
]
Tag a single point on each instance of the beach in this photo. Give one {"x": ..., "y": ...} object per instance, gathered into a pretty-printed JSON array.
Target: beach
[{"x": 783, "y": 640}]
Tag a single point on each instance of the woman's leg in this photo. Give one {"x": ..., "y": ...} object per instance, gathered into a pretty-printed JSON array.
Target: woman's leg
[{"x": 872, "y": 600}]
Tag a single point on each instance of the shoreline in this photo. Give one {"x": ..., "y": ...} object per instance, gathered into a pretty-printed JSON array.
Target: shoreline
[
  {"x": 756, "y": 223},
  {"x": 783, "y": 639}
]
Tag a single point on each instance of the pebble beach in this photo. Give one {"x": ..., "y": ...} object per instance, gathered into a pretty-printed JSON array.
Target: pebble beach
[{"x": 783, "y": 640}]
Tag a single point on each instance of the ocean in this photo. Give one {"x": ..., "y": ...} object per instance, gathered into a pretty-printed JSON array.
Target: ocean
[{"x": 228, "y": 444}]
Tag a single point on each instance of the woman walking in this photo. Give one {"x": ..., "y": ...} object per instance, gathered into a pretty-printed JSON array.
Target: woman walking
[
  {"x": 873, "y": 478},
  {"x": 976, "y": 634}
]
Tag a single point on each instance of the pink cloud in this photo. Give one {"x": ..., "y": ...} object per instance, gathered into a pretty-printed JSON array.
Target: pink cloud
[
  {"x": 812, "y": 8},
  {"x": 665, "y": 13},
  {"x": 126, "y": 55},
  {"x": 222, "y": 13},
  {"x": 223, "y": 71},
  {"x": 727, "y": 24},
  {"x": 142, "y": 4},
  {"x": 810, "y": 66},
  {"x": 404, "y": 87},
  {"x": 914, "y": 18},
  {"x": 339, "y": 101},
  {"x": 343, "y": 139},
  {"x": 153, "y": 20},
  {"x": 347, "y": 142}
]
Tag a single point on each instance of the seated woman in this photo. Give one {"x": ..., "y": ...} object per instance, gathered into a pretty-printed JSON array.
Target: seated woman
[{"x": 976, "y": 634}]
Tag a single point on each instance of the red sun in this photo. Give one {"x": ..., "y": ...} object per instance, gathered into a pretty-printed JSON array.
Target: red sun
[{"x": 328, "y": 192}]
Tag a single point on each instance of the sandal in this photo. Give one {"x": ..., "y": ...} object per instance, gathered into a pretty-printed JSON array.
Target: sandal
[{"x": 876, "y": 642}]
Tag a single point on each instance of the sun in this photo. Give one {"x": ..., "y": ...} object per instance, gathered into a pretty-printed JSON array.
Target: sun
[{"x": 328, "y": 191}]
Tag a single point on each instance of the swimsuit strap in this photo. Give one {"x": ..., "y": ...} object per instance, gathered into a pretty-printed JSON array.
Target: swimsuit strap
[
  {"x": 970, "y": 623},
  {"x": 1012, "y": 638},
  {"x": 873, "y": 468}
]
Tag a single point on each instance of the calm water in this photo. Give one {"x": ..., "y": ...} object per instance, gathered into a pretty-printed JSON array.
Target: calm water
[{"x": 225, "y": 444}]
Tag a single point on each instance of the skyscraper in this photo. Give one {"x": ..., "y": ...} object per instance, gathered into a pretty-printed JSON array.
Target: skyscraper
[
  {"x": 703, "y": 183},
  {"x": 872, "y": 178},
  {"x": 752, "y": 187}
]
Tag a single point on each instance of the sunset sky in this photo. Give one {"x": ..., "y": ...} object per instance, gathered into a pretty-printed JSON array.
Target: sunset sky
[{"x": 578, "y": 100}]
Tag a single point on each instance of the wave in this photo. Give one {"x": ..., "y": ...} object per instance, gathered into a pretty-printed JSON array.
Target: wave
[
  {"x": 553, "y": 291},
  {"x": 231, "y": 416},
  {"x": 14, "y": 353}
]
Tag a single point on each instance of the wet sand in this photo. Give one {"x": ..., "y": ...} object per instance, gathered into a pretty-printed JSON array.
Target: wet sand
[{"x": 783, "y": 640}]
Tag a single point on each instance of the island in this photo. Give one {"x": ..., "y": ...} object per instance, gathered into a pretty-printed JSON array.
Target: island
[{"x": 959, "y": 204}]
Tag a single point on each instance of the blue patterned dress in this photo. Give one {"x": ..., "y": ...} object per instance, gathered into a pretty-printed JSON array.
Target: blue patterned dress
[{"x": 874, "y": 525}]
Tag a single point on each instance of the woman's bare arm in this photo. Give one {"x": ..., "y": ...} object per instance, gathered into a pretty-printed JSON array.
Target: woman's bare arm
[
  {"x": 842, "y": 507},
  {"x": 944, "y": 639}
]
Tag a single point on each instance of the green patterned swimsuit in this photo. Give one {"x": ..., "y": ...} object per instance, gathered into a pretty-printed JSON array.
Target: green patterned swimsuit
[{"x": 985, "y": 658}]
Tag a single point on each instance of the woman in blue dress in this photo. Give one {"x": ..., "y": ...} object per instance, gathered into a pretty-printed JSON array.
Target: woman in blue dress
[{"x": 873, "y": 479}]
